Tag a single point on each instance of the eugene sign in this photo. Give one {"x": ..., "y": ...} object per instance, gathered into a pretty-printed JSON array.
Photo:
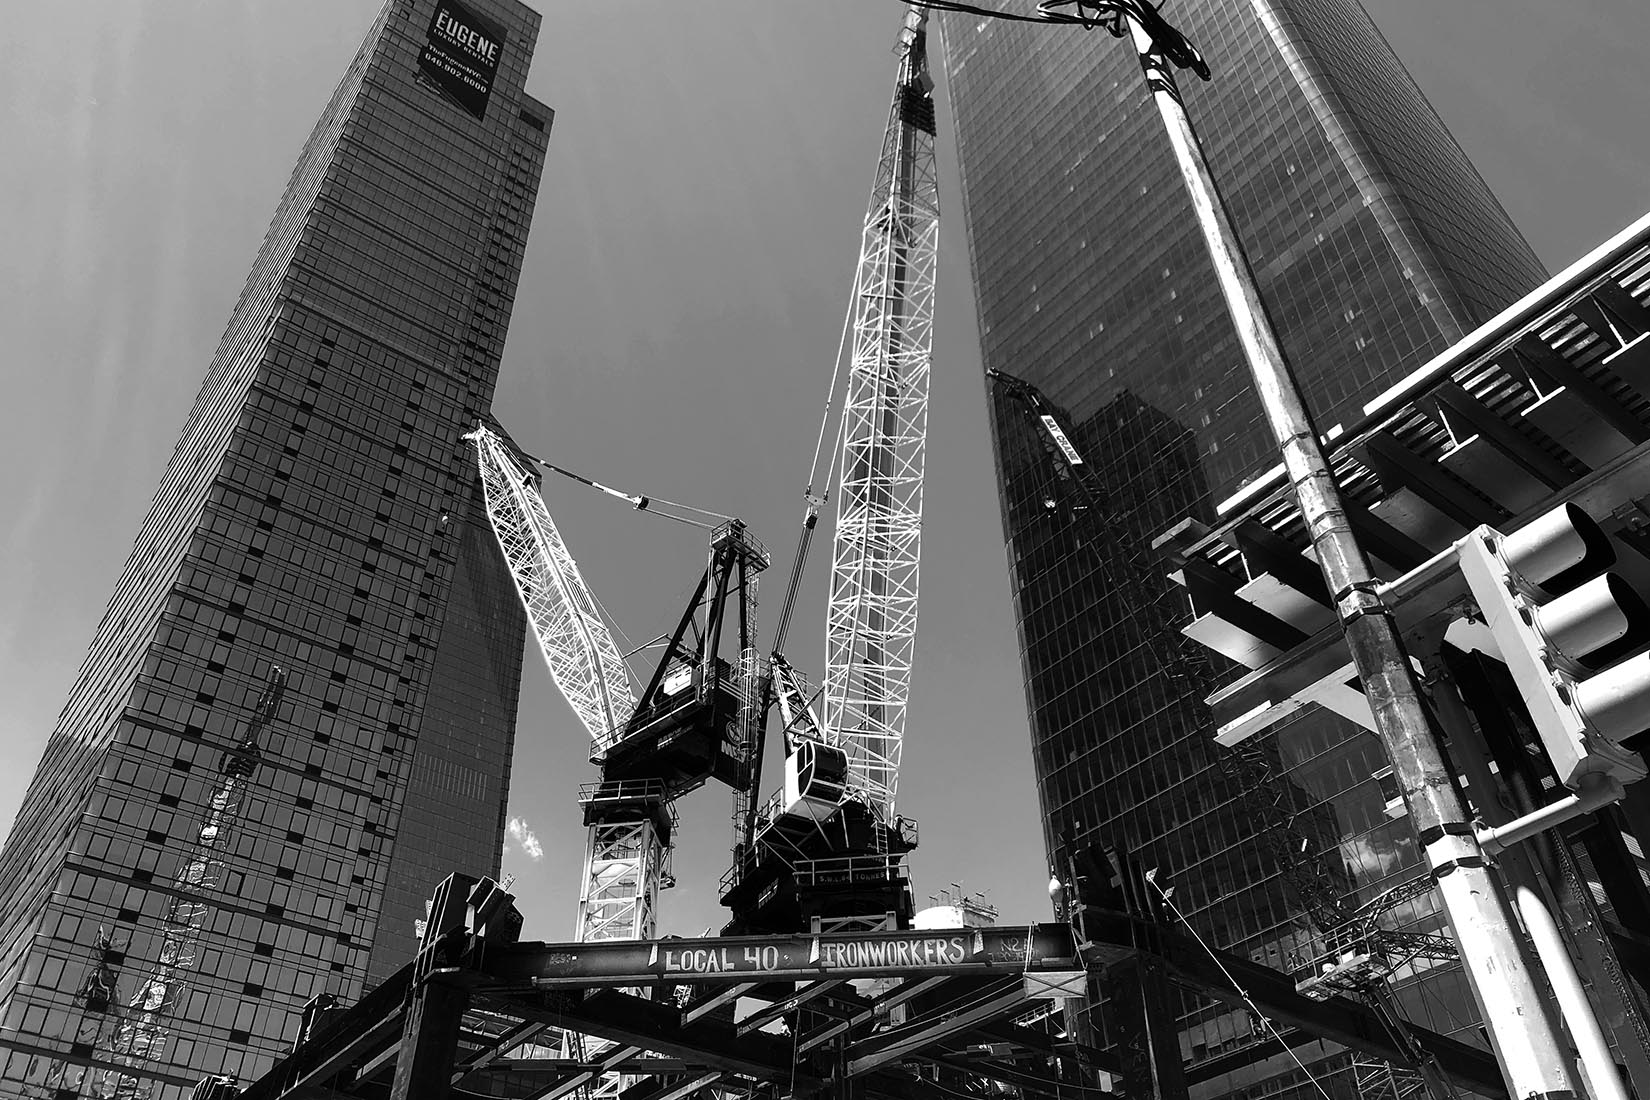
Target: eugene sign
[{"x": 461, "y": 55}]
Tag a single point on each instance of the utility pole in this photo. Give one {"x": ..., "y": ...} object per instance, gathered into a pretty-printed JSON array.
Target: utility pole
[{"x": 1521, "y": 1026}]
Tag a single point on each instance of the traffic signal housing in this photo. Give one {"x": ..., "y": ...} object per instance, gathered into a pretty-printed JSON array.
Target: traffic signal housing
[{"x": 1563, "y": 626}]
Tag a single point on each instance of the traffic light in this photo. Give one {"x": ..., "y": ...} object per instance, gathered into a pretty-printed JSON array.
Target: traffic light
[{"x": 1563, "y": 627}]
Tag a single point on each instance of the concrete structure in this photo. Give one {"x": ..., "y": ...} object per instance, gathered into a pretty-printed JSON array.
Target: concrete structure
[{"x": 322, "y": 516}]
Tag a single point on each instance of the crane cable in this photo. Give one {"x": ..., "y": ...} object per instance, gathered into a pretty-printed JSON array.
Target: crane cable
[
  {"x": 642, "y": 503},
  {"x": 1242, "y": 992},
  {"x": 812, "y": 500}
]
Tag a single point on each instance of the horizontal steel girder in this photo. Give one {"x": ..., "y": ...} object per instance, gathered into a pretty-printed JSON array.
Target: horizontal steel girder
[
  {"x": 574, "y": 986},
  {"x": 1320, "y": 663},
  {"x": 980, "y": 952}
]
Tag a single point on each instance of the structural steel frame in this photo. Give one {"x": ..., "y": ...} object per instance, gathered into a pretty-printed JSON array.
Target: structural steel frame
[{"x": 951, "y": 998}]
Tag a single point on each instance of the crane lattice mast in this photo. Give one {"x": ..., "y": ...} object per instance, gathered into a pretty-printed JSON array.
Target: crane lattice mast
[
  {"x": 142, "y": 1035},
  {"x": 872, "y": 617}
]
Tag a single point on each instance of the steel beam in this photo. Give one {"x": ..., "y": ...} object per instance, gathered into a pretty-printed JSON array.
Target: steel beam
[
  {"x": 709, "y": 1004},
  {"x": 633, "y": 1021},
  {"x": 1555, "y": 371},
  {"x": 1398, "y": 467},
  {"x": 800, "y": 957},
  {"x": 1266, "y": 695},
  {"x": 607, "y": 1063},
  {"x": 758, "y": 1020},
  {"x": 361, "y": 1030},
  {"x": 502, "y": 1045},
  {"x": 1004, "y": 997}
]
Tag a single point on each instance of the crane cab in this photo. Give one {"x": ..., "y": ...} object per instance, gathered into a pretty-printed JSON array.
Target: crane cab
[{"x": 816, "y": 780}]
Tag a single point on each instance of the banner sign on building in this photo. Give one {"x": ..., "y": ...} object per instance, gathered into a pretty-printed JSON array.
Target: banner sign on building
[{"x": 461, "y": 55}]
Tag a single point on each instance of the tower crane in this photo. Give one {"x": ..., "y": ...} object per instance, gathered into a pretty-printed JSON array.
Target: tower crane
[
  {"x": 697, "y": 717},
  {"x": 142, "y": 1029},
  {"x": 1362, "y": 953},
  {"x": 830, "y": 846}
]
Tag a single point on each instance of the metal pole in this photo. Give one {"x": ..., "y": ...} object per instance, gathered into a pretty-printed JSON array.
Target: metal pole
[
  {"x": 1521, "y": 1027},
  {"x": 1603, "y": 1078}
]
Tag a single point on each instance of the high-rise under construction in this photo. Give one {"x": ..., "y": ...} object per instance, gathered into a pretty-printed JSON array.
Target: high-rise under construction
[{"x": 297, "y": 713}]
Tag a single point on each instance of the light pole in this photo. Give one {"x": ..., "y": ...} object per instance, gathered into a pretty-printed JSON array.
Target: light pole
[{"x": 1520, "y": 1023}]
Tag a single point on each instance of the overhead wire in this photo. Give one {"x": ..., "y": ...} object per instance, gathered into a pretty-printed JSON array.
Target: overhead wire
[
  {"x": 1242, "y": 992},
  {"x": 813, "y": 500}
]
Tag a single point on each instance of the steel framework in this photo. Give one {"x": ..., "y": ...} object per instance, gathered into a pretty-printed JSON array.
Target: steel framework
[
  {"x": 574, "y": 639},
  {"x": 955, "y": 1012},
  {"x": 872, "y": 616}
]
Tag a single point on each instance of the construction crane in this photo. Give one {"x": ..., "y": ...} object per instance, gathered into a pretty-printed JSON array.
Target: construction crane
[
  {"x": 694, "y": 720},
  {"x": 829, "y": 847},
  {"x": 1361, "y": 954},
  {"x": 140, "y": 1033},
  {"x": 700, "y": 716},
  {"x": 96, "y": 1000}
]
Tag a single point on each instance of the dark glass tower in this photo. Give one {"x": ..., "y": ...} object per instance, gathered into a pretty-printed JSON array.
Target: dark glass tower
[
  {"x": 1377, "y": 245},
  {"x": 162, "y": 919}
]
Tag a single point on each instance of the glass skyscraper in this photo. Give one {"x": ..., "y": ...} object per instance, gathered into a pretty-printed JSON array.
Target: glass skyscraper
[
  {"x": 1377, "y": 245},
  {"x": 175, "y": 890}
]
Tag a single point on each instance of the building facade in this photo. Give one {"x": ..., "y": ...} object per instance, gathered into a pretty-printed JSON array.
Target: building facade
[
  {"x": 1377, "y": 245},
  {"x": 182, "y": 879}
]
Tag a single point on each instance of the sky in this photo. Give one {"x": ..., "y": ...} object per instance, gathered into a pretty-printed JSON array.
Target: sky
[{"x": 675, "y": 325}]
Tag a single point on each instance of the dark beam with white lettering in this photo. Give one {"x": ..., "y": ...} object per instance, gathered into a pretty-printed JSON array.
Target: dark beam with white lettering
[{"x": 982, "y": 951}]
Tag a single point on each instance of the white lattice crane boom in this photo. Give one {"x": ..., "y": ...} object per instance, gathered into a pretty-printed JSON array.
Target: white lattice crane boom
[
  {"x": 872, "y": 617},
  {"x": 575, "y": 641},
  {"x": 625, "y": 861},
  {"x": 688, "y": 724}
]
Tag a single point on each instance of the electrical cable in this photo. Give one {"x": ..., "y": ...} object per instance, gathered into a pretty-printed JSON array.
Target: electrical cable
[{"x": 1244, "y": 993}]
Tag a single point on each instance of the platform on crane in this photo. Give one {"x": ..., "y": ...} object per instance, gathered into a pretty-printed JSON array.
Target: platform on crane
[
  {"x": 610, "y": 800},
  {"x": 848, "y": 870},
  {"x": 688, "y": 736}
]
